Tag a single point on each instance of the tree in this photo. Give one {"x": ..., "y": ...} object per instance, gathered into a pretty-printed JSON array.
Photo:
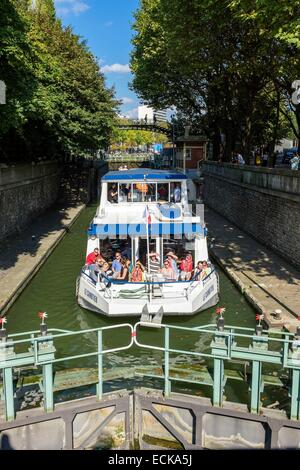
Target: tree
[
  {"x": 214, "y": 66},
  {"x": 64, "y": 107},
  {"x": 281, "y": 19},
  {"x": 16, "y": 70}
]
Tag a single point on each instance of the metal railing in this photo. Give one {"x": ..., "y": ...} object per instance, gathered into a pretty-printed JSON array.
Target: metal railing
[
  {"x": 41, "y": 353},
  {"x": 257, "y": 347}
]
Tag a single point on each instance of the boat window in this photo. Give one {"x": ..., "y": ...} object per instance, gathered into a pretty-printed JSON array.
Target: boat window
[
  {"x": 112, "y": 193},
  {"x": 124, "y": 192},
  {"x": 141, "y": 192},
  {"x": 176, "y": 191},
  {"x": 151, "y": 193},
  {"x": 163, "y": 192}
]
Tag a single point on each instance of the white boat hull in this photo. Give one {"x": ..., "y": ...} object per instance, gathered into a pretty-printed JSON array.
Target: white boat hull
[{"x": 177, "y": 298}]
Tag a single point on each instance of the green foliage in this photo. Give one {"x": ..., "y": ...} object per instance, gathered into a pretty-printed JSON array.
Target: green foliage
[
  {"x": 219, "y": 69},
  {"x": 281, "y": 18},
  {"x": 57, "y": 103},
  {"x": 123, "y": 139}
]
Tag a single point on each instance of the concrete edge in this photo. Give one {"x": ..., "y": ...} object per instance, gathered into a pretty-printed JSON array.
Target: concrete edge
[
  {"x": 244, "y": 290},
  {"x": 19, "y": 289}
]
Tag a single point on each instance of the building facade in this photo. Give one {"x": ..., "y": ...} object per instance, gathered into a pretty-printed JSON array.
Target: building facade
[
  {"x": 152, "y": 114},
  {"x": 191, "y": 152}
]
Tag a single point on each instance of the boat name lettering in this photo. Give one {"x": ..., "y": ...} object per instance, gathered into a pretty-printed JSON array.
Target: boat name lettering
[
  {"x": 208, "y": 292},
  {"x": 90, "y": 295}
]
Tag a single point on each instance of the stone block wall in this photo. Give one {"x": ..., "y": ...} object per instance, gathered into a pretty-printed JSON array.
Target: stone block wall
[
  {"x": 25, "y": 192},
  {"x": 263, "y": 202}
]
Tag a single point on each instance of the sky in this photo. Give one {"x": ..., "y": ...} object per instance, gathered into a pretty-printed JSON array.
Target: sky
[{"x": 106, "y": 26}]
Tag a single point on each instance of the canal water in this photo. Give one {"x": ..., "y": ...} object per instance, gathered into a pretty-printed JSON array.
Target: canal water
[{"x": 53, "y": 290}]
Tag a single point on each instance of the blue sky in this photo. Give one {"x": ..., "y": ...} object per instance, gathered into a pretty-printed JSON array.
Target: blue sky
[{"x": 106, "y": 25}]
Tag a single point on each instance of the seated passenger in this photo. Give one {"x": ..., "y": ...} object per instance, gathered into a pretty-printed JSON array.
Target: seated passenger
[
  {"x": 124, "y": 191},
  {"x": 91, "y": 258},
  {"x": 154, "y": 263},
  {"x": 172, "y": 258},
  {"x": 167, "y": 271},
  {"x": 124, "y": 273},
  {"x": 206, "y": 270},
  {"x": 116, "y": 265},
  {"x": 137, "y": 274},
  {"x": 113, "y": 194},
  {"x": 106, "y": 270},
  {"x": 163, "y": 193},
  {"x": 186, "y": 268},
  {"x": 198, "y": 271},
  {"x": 96, "y": 268}
]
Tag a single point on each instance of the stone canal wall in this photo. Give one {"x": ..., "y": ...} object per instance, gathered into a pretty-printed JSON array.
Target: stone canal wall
[
  {"x": 25, "y": 192},
  {"x": 263, "y": 202}
]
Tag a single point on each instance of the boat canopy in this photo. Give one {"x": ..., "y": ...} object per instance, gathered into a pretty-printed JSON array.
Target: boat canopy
[
  {"x": 141, "y": 230},
  {"x": 143, "y": 174}
]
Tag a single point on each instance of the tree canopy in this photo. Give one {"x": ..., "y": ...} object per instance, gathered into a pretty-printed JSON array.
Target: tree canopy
[
  {"x": 224, "y": 72},
  {"x": 57, "y": 102}
]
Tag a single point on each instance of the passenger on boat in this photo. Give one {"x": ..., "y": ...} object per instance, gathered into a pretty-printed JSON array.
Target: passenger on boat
[
  {"x": 123, "y": 275},
  {"x": 113, "y": 194},
  {"x": 96, "y": 268},
  {"x": 124, "y": 191},
  {"x": 186, "y": 267},
  {"x": 202, "y": 270},
  {"x": 116, "y": 265},
  {"x": 154, "y": 263},
  {"x": 168, "y": 272},
  {"x": 163, "y": 192},
  {"x": 106, "y": 269},
  {"x": 91, "y": 257},
  {"x": 137, "y": 274},
  {"x": 177, "y": 193},
  {"x": 206, "y": 270},
  {"x": 198, "y": 271},
  {"x": 172, "y": 258}
]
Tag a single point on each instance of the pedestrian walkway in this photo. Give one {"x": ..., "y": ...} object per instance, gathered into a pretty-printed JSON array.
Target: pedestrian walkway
[
  {"x": 21, "y": 256},
  {"x": 266, "y": 280}
]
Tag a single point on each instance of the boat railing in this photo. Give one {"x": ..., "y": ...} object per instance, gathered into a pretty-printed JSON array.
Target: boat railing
[
  {"x": 113, "y": 288},
  {"x": 194, "y": 282},
  {"x": 148, "y": 286}
]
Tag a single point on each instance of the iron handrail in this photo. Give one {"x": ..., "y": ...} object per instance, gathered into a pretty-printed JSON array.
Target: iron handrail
[
  {"x": 223, "y": 347},
  {"x": 35, "y": 341}
]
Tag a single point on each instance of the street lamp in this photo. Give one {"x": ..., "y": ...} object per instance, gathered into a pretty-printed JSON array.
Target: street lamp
[{"x": 186, "y": 134}]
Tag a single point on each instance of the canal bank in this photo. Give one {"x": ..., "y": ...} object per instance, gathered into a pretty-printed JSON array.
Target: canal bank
[
  {"x": 22, "y": 256},
  {"x": 53, "y": 290},
  {"x": 267, "y": 281}
]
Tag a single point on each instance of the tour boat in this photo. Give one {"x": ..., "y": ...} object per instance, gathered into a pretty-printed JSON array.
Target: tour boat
[{"x": 143, "y": 211}]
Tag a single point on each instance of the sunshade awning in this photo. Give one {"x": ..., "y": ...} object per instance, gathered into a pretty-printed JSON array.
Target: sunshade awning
[{"x": 140, "y": 230}]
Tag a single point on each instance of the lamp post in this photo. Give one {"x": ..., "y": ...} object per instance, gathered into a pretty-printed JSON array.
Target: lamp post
[
  {"x": 186, "y": 134},
  {"x": 173, "y": 141}
]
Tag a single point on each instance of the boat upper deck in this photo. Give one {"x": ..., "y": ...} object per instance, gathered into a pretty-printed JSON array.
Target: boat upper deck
[{"x": 143, "y": 174}]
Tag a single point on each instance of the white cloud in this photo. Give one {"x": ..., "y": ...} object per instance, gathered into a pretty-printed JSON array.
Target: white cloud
[
  {"x": 132, "y": 113},
  {"x": 64, "y": 7},
  {"x": 126, "y": 100},
  {"x": 108, "y": 24},
  {"x": 116, "y": 68}
]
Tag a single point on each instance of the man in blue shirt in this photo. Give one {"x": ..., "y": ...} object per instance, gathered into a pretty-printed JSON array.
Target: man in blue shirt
[{"x": 116, "y": 264}]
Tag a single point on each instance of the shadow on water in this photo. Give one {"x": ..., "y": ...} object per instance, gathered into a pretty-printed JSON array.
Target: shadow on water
[{"x": 28, "y": 240}]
